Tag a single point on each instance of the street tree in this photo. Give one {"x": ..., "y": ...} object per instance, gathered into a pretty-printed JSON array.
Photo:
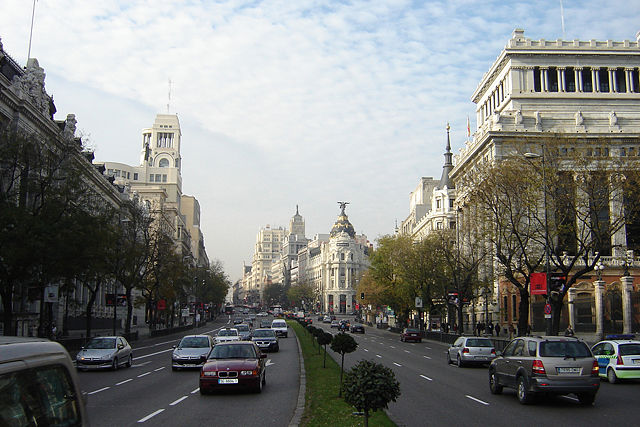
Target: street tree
[
  {"x": 301, "y": 294},
  {"x": 370, "y": 386},
  {"x": 343, "y": 343},
  {"x": 324, "y": 339}
]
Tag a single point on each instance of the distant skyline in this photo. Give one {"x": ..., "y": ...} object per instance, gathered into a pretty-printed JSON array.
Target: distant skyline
[{"x": 285, "y": 103}]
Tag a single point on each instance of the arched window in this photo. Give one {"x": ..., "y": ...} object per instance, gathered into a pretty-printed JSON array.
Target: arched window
[{"x": 163, "y": 163}]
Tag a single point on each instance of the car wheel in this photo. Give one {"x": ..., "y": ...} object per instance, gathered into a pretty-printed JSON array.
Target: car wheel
[
  {"x": 524, "y": 396},
  {"x": 173, "y": 368},
  {"x": 114, "y": 364},
  {"x": 203, "y": 391},
  {"x": 259, "y": 386},
  {"x": 611, "y": 376},
  {"x": 494, "y": 384},
  {"x": 458, "y": 361},
  {"x": 448, "y": 358},
  {"x": 586, "y": 399},
  {"x": 130, "y": 361}
]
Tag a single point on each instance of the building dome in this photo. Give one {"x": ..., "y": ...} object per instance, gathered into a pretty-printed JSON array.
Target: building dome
[{"x": 343, "y": 224}]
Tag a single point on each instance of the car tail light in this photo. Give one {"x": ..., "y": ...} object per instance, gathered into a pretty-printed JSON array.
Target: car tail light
[
  {"x": 465, "y": 350},
  {"x": 619, "y": 361},
  {"x": 538, "y": 367},
  {"x": 595, "y": 369}
]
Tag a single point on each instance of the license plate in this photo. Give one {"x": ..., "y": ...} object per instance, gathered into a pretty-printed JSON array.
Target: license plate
[
  {"x": 569, "y": 370},
  {"x": 228, "y": 381},
  {"x": 636, "y": 361}
]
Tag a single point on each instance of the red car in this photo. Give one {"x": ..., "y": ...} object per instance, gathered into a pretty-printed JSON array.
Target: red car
[
  {"x": 409, "y": 334},
  {"x": 233, "y": 365}
]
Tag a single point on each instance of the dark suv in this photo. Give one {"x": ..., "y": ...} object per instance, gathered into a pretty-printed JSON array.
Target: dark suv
[{"x": 551, "y": 365}]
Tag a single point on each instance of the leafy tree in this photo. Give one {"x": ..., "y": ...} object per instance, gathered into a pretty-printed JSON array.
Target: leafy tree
[
  {"x": 275, "y": 293},
  {"x": 370, "y": 386},
  {"x": 299, "y": 293},
  {"x": 324, "y": 338},
  {"x": 343, "y": 343}
]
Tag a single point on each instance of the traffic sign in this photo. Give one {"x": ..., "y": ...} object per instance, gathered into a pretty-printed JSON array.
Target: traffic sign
[{"x": 547, "y": 308}]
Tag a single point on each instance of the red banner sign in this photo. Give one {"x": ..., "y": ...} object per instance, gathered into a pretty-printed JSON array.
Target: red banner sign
[{"x": 538, "y": 284}]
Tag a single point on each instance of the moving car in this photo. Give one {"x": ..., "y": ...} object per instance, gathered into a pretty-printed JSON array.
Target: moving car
[
  {"x": 618, "y": 359},
  {"x": 326, "y": 319},
  {"x": 245, "y": 331},
  {"x": 191, "y": 352},
  {"x": 279, "y": 326},
  {"x": 410, "y": 334},
  {"x": 38, "y": 384},
  {"x": 105, "y": 353},
  {"x": 237, "y": 321},
  {"x": 335, "y": 324},
  {"x": 233, "y": 365},
  {"x": 266, "y": 339},
  {"x": 550, "y": 365},
  {"x": 227, "y": 334},
  {"x": 265, "y": 324},
  {"x": 471, "y": 350},
  {"x": 357, "y": 328}
]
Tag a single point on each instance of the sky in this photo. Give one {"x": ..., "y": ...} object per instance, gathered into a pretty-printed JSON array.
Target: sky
[{"x": 284, "y": 103}]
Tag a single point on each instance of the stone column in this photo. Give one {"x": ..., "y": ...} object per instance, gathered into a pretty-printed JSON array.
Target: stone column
[
  {"x": 578, "y": 79},
  {"x": 571, "y": 305},
  {"x": 545, "y": 79},
  {"x": 598, "y": 286},
  {"x": 628, "y": 78},
  {"x": 627, "y": 288},
  {"x": 595, "y": 76},
  {"x": 612, "y": 81},
  {"x": 561, "y": 85}
]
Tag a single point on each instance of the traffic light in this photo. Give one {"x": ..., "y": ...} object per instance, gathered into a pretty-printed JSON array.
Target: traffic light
[
  {"x": 361, "y": 295},
  {"x": 556, "y": 282}
]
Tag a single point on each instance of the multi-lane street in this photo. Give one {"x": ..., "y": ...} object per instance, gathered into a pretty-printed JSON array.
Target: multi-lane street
[
  {"x": 434, "y": 393},
  {"x": 150, "y": 393}
]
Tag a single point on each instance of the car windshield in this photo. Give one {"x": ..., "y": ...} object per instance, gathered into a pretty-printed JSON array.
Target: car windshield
[
  {"x": 243, "y": 328},
  {"x": 479, "y": 342},
  {"x": 278, "y": 325},
  {"x": 412, "y": 330},
  {"x": 194, "y": 342},
  {"x": 564, "y": 349},
  {"x": 233, "y": 352},
  {"x": 228, "y": 333},
  {"x": 101, "y": 343},
  {"x": 629, "y": 349},
  {"x": 261, "y": 333}
]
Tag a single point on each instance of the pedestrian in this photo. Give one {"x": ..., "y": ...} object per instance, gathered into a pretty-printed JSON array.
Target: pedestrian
[
  {"x": 569, "y": 331},
  {"x": 54, "y": 331},
  {"x": 512, "y": 330},
  {"x": 528, "y": 329},
  {"x": 497, "y": 328},
  {"x": 490, "y": 329}
]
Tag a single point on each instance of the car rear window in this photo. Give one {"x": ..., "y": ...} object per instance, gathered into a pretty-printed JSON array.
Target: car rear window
[
  {"x": 413, "y": 331},
  {"x": 479, "y": 342},
  {"x": 629, "y": 349},
  {"x": 564, "y": 349}
]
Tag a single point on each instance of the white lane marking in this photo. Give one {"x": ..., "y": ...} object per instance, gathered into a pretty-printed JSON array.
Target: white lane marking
[
  {"x": 175, "y": 402},
  {"x": 428, "y": 348},
  {"x": 365, "y": 349},
  {"x": 153, "y": 354},
  {"x": 98, "y": 391},
  {"x": 125, "y": 381},
  {"x": 377, "y": 355},
  {"x": 137, "y": 365},
  {"x": 142, "y": 375},
  {"x": 269, "y": 363},
  {"x": 477, "y": 400},
  {"x": 151, "y": 415},
  {"x": 195, "y": 391},
  {"x": 427, "y": 357},
  {"x": 407, "y": 351},
  {"x": 159, "y": 369},
  {"x": 391, "y": 346},
  {"x": 426, "y": 378},
  {"x": 397, "y": 364}
]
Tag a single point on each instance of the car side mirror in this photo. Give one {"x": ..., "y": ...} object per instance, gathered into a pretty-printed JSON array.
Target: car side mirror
[
  {"x": 263, "y": 356},
  {"x": 120, "y": 346}
]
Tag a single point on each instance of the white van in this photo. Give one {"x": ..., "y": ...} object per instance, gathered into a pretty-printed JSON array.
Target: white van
[
  {"x": 38, "y": 384},
  {"x": 279, "y": 326}
]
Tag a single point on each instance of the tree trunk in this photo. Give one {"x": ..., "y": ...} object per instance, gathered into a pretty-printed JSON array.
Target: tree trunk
[
  {"x": 89, "y": 312},
  {"x": 556, "y": 314},
  {"x": 366, "y": 418},
  {"x": 7, "y": 306},
  {"x": 460, "y": 323},
  {"x": 324, "y": 361},
  {"x": 523, "y": 312}
]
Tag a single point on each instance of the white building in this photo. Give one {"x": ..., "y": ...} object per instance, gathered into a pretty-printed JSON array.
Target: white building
[{"x": 267, "y": 251}]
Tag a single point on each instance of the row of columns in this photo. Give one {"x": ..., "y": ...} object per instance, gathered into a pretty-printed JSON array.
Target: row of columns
[
  {"x": 630, "y": 83},
  {"x": 599, "y": 288}
]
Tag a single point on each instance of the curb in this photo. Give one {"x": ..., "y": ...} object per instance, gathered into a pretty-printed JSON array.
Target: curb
[{"x": 297, "y": 414}]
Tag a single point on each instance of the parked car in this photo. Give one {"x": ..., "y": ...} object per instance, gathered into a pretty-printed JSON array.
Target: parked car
[
  {"x": 232, "y": 365},
  {"x": 38, "y": 384},
  {"x": 618, "y": 359},
  {"x": 357, "y": 328},
  {"x": 280, "y": 327},
  {"x": 551, "y": 365},
  {"x": 262, "y": 314},
  {"x": 105, "y": 353},
  {"x": 335, "y": 324},
  {"x": 227, "y": 334},
  {"x": 245, "y": 331},
  {"x": 471, "y": 350},
  {"x": 191, "y": 352},
  {"x": 266, "y": 339},
  {"x": 326, "y": 319},
  {"x": 410, "y": 334}
]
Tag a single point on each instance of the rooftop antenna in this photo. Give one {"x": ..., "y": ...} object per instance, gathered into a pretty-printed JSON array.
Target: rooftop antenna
[
  {"x": 562, "y": 19},
  {"x": 33, "y": 14},
  {"x": 169, "y": 100}
]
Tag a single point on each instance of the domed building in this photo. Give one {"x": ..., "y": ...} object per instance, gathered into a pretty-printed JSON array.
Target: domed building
[{"x": 335, "y": 263}]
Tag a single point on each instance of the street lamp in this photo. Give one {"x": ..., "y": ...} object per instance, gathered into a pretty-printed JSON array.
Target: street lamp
[
  {"x": 546, "y": 227},
  {"x": 599, "y": 267}
]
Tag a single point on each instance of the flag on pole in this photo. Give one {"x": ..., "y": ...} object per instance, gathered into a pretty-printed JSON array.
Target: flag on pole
[{"x": 468, "y": 128}]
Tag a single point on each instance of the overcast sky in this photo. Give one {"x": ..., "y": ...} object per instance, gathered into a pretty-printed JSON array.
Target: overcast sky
[{"x": 285, "y": 103}]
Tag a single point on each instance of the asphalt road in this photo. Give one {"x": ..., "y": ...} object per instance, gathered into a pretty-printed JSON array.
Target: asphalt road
[
  {"x": 435, "y": 393},
  {"x": 150, "y": 393}
]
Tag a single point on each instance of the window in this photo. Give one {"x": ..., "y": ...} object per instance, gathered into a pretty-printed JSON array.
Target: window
[
  {"x": 110, "y": 172},
  {"x": 603, "y": 77},
  {"x": 514, "y": 307},
  {"x": 505, "y": 306},
  {"x": 164, "y": 177},
  {"x": 587, "y": 80},
  {"x": 552, "y": 74},
  {"x": 163, "y": 163},
  {"x": 570, "y": 79},
  {"x": 135, "y": 176},
  {"x": 536, "y": 80},
  {"x": 635, "y": 80},
  {"x": 621, "y": 84},
  {"x": 437, "y": 203},
  {"x": 451, "y": 203}
]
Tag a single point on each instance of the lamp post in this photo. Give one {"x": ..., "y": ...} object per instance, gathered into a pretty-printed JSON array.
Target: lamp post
[
  {"x": 548, "y": 321},
  {"x": 599, "y": 267}
]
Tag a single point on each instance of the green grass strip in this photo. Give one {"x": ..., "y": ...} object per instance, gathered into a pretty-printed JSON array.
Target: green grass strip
[{"x": 323, "y": 407}]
